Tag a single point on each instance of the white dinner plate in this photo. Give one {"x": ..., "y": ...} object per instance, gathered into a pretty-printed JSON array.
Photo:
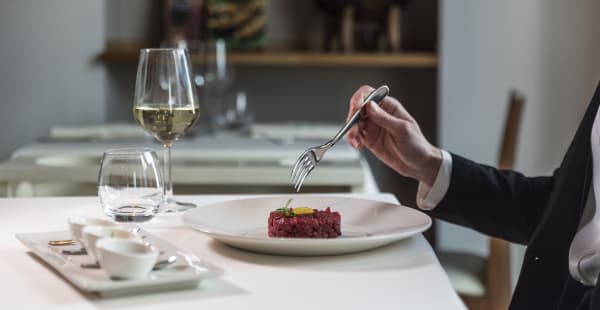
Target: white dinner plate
[{"x": 365, "y": 224}]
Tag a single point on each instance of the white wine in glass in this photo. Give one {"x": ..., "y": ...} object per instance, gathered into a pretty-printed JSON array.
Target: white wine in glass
[
  {"x": 164, "y": 122},
  {"x": 166, "y": 106}
]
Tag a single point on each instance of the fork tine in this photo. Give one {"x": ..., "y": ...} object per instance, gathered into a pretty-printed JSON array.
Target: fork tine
[
  {"x": 308, "y": 171},
  {"x": 298, "y": 184},
  {"x": 297, "y": 165},
  {"x": 306, "y": 168},
  {"x": 296, "y": 176},
  {"x": 294, "y": 173},
  {"x": 302, "y": 162}
]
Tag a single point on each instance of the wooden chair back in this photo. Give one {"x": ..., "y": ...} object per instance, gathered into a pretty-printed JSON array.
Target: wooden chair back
[{"x": 497, "y": 270}]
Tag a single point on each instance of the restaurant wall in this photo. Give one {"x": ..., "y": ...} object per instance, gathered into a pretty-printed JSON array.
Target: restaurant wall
[
  {"x": 548, "y": 50},
  {"x": 47, "y": 70}
]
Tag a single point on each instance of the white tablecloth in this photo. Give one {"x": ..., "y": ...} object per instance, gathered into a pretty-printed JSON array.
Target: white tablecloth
[
  {"x": 230, "y": 163},
  {"x": 404, "y": 275}
]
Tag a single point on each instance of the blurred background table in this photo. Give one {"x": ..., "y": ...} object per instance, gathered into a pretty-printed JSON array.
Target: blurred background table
[{"x": 228, "y": 162}]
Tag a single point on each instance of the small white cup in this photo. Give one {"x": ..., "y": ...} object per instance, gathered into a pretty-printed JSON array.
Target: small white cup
[
  {"x": 125, "y": 259},
  {"x": 77, "y": 223},
  {"x": 91, "y": 235}
]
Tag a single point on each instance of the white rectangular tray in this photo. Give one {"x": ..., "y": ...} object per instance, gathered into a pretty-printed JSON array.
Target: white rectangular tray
[{"x": 186, "y": 272}]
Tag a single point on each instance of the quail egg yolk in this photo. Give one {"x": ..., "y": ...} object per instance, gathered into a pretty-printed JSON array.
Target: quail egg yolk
[{"x": 303, "y": 211}]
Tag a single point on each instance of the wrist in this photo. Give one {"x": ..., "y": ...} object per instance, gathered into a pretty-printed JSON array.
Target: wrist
[{"x": 430, "y": 166}]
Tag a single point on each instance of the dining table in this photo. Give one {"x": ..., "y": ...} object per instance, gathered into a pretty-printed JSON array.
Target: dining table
[
  {"x": 225, "y": 162},
  {"x": 405, "y": 274}
]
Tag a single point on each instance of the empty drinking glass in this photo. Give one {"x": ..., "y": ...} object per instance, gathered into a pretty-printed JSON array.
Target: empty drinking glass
[{"x": 130, "y": 184}]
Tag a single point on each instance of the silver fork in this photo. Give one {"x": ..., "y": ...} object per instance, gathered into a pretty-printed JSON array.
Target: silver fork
[{"x": 313, "y": 155}]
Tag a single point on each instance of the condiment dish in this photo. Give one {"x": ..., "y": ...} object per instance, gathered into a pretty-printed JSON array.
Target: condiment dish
[
  {"x": 76, "y": 225},
  {"x": 126, "y": 259},
  {"x": 91, "y": 235}
]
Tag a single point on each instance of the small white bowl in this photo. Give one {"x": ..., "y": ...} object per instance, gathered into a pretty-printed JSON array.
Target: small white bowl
[
  {"x": 91, "y": 235},
  {"x": 77, "y": 223},
  {"x": 125, "y": 259}
]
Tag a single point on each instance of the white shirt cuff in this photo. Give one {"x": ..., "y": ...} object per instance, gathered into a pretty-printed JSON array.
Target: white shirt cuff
[{"x": 428, "y": 198}]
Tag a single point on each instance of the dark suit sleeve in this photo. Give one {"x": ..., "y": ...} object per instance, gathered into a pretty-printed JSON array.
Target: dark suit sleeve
[
  {"x": 500, "y": 203},
  {"x": 590, "y": 300}
]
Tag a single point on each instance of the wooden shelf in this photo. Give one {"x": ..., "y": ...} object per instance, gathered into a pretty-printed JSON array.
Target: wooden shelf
[{"x": 129, "y": 53}]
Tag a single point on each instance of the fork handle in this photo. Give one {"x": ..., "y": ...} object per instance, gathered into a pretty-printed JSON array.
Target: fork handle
[{"x": 376, "y": 96}]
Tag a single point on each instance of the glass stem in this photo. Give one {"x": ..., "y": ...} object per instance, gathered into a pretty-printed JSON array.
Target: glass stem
[{"x": 168, "y": 188}]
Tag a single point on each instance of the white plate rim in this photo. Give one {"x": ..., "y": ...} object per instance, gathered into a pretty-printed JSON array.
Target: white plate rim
[{"x": 379, "y": 239}]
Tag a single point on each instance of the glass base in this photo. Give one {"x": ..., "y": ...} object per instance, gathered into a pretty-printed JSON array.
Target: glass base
[{"x": 174, "y": 206}]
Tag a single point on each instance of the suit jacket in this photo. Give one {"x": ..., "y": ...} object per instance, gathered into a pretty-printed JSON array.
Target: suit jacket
[{"x": 541, "y": 212}]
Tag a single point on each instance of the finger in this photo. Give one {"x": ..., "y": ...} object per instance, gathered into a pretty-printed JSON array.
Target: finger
[
  {"x": 357, "y": 99},
  {"x": 369, "y": 135},
  {"x": 358, "y": 144},
  {"x": 355, "y": 104},
  {"x": 368, "y": 140},
  {"x": 382, "y": 118},
  {"x": 370, "y": 126},
  {"x": 353, "y": 136},
  {"x": 392, "y": 106},
  {"x": 354, "y": 139}
]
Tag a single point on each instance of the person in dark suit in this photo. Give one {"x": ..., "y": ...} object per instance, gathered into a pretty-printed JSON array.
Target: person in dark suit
[{"x": 553, "y": 215}]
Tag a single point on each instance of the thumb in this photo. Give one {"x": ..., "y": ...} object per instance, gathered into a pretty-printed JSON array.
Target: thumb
[{"x": 380, "y": 117}]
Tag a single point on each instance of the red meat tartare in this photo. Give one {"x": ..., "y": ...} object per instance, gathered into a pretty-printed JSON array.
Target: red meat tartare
[{"x": 304, "y": 222}]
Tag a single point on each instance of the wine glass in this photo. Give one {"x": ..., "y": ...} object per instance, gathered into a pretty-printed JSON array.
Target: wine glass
[
  {"x": 130, "y": 184},
  {"x": 166, "y": 106}
]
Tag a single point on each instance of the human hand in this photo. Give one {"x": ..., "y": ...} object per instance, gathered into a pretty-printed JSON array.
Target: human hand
[{"x": 392, "y": 135}]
